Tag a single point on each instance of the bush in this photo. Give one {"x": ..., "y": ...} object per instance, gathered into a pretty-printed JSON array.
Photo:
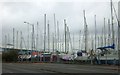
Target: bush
[{"x": 10, "y": 56}]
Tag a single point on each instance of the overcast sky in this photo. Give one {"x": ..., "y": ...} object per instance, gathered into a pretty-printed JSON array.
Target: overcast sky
[{"x": 13, "y": 13}]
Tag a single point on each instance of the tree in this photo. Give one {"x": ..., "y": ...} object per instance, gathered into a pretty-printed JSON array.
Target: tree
[{"x": 10, "y": 56}]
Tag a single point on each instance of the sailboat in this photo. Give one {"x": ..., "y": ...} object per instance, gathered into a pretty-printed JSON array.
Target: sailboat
[
  {"x": 82, "y": 54},
  {"x": 109, "y": 54}
]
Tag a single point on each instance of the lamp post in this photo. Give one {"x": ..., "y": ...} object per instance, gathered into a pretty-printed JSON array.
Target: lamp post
[{"x": 32, "y": 44}]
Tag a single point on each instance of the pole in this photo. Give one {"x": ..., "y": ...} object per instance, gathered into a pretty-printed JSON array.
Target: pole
[
  {"x": 85, "y": 30},
  {"x": 28, "y": 36},
  {"x": 17, "y": 40},
  {"x": 21, "y": 46},
  {"x": 44, "y": 36},
  {"x": 65, "y": 33},
  {"x": 44, "y": 32},
  {"x": 48, "y": 38},
  {"x": 55, "y": 32},
  {"x": 58, "y": 35},
  {"x": 13, "y": 38},
  {"x": 95, "y": 33},
  {"x": 68, "y": 39},
  {"x": 79, "y": 39},
  {"x": 33, "y": 45},
  {"x": 109, "y": 32},
  {"x": 37, "y": 38},
  {"x": 60, "y": 41},
  {"x": 112, "y": 23},
  {"x": 8, "y": 39},
  {"x": 5, "y": 42},
  {"x": 53, "y": 42},
  {"x": 73, "y": 42},
  {"x": 104, "y": 33},
  {"x": 102, "y": 38}
]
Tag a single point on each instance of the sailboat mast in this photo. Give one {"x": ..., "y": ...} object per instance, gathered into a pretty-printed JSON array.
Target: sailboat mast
[
  {"x": 85, "y": 30},
  {"x": 53, "y": 43},
  {"x": 17, "y": 40},
  {"x": 98, "y": 40},
  {"x": 73, "y": 42},
  {"x": 8, "y": 39},
  {"x": 79, "y": 39},
  {"x": 68, "y": 38},
  {"x": 21, "y": 41},
  {"x": 95, "y": 32},
  {"x": 112, "y": 23},
  {"x": 70, "y": 41},
  {"x": 5, "y": 41},
  {"x": 44, "y": 32},
  {"x": 60, "y": 43},
  {"x": 65, "y": 33},
  {"x": 58, "y": 34},
  {"x": 48, "y": 38},
  {"x": 37, "y": 37},
  {"x": 55, "y": 32},
  {"x": 109, "y": 32},
  {"x": 104, "y": 33},
  {"x": 102, "y": 38},
  {"x": 92, "y": 42},
  {"x": 21, "y": 44},
  {"x": 33, "y": 38},
  {"x": 28, "y": 36},
  {"x": 13, "y": 38}
]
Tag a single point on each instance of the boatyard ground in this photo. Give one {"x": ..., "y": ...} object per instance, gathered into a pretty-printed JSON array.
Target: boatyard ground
[{"x": 56, "y": 68}]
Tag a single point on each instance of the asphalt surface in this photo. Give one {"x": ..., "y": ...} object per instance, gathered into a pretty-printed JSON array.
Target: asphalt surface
[{"x": 55, "y": 68}]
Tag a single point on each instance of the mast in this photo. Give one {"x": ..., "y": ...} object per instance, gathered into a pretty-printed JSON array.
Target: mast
[
  {"x": 105, "y": 40},
  {"x": 37, "y": 41},
  {"x": 44, "y": 32},
  {"x": 79, "y": 39},
  {"x": 28, "y": 36},
  {"x": 8, "y": 42},
  {"x": 58, "y": 34},
  {"x": 21, "y": 44},
  {"x": 17, "y": 40},
  {"x": 33, "y": 40},
  {"x": 37, "y": 37},
  {"x": 85, "y": 30},
  {"x": 104, "y": 33},
  {"x": 53, "y": 43},
  {"x": 48, "y": 38},
  {"x": 68, "y": 38},
  {"x": 65, "y": 33},
  {"x": 55, "y": 32},
  {"x": 112, "y": 23},
  {"x": 24, "y": 42},
  {"x": 73, "y": 42},
  {"x": 95, "y": 32},
  {"x": 13, "y": 38},
  {"x": 102, "y": 38},
  {"x": 109, "y": 32},
  {"x": 41, "y": 41},
  {"x": 5, "y": 41},
  {"x": 98, "y": 41},
  {"x": 82, "y": 41},
  {"x": 92, "y": 43},
  {"x": 60, "y": 43}
]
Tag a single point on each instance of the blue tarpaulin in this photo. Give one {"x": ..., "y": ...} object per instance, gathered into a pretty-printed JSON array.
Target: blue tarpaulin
[{"x": 113, "y": 47}]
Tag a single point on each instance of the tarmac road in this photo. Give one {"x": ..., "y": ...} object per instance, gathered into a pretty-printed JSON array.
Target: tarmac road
[{"x": 55, "y": 68}]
